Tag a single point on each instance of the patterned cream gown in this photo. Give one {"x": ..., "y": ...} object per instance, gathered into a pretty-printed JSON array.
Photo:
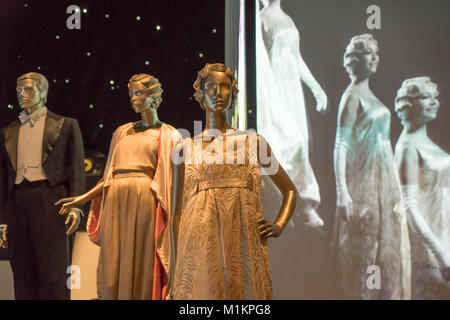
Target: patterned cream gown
[
  {"x": 377, "y": 233},
  {"x": 219, "y": 251}
]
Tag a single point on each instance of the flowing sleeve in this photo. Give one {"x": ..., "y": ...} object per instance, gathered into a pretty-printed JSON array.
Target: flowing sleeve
[{"x": 161, "y": 185}]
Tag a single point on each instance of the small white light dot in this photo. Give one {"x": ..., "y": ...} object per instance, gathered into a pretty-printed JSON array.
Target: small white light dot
[
  {"x": 85, "y": 10},
  {"x": 10, "y": 106},
  {"x": 138, "y": 18},
  {"x": 106, "y": 16},
  {"x": 250, "y": 111},
  {"x": 66, "y": 81},
  {"x": 88, "y": 54},
  {"x": 111, "y": 82},
  {"x": 100, "y": 125},
  {"x": 147, "y": 63},
  {"x": 200, "y": 55},
  {"x": 39, "y": 68},
  {"x": 214, "y": 30},
  {"x": 54, "y": 80},
  {"x": 25, "y": 5},
  {"x": 57, "y": 37},
  {"x": 158, "y": 28},
  {"x": 112, "y": 88},
  {"x": 91, "y": 106}
]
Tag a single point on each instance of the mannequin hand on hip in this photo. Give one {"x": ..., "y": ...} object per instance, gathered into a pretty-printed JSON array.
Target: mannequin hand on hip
[
  {"x": 267, "y": 229},
  {"x": 3, "y": 236},
  {"x": 344, "y": 205}
]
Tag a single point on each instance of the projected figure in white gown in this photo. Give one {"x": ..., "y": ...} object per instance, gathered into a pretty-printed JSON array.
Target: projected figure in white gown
[
  {"x": 281, "y": 108},
  {"x": 371, "y": 235},
  {"x": 425, "y": 177}
]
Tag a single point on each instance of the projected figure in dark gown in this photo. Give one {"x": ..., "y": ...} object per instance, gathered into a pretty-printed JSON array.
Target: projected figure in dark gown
[
  {"x": 371, "y": 232},
  {"x": 424, "y": 170},
  {"x": 281, "y": 107}
]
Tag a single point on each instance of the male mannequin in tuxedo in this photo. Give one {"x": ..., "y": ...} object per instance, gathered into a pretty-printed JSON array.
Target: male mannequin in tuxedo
[{"x": 41, "y": 160}]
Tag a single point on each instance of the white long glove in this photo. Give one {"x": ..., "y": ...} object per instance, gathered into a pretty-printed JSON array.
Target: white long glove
[
  {"x": 418, "y": 224},
  {"x": 344, "y": 201}
]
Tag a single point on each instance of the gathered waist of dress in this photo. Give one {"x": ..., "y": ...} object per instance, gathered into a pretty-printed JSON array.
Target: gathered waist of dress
[
  {"x": 127, "y": 173},
  {"x": 205, "y": 184}
]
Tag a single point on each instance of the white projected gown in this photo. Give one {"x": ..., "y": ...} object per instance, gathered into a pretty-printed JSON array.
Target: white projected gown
[
  {"x": 281, "y": 108},
  {"x": 434, "y": 205},
  {"x": 376, "y": 235}
]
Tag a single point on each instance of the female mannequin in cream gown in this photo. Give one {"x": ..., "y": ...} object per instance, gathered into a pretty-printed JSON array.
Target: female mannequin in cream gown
[{"x": 130, "y": 205}]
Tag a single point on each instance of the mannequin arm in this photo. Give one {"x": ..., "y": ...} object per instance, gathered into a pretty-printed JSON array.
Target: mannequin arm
[
  {"x": 177, "y": 201},
  {"x": 346, "y": 119},
  {"x": 69, "y": 203},
  {"x": 286, "y": 187},
  {"x": 409, "y": 171}
]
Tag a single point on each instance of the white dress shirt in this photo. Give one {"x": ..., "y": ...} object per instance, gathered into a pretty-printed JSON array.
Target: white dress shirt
[{"x": 29, "y": 149}]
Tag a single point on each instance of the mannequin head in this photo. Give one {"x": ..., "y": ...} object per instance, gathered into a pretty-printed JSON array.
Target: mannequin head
[
  {"x": 215, "y": 87},
  {"x": 32, "y": 90},
  {"x": 417, "y": 101},
  {"x": 361, "y": 56},
  {"x": 145, "y": 92}
]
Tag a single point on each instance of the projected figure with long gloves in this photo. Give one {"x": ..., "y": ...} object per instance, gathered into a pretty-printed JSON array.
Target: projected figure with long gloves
[
  {"x": 130, "y": 206},
  {"x": 281, "y": 113},
  {"x": 221, "y": 234},
  {"x": 371, "y": 232},
  {"x": 424, "y": 170},
  {"x": 42, "y": 160}
]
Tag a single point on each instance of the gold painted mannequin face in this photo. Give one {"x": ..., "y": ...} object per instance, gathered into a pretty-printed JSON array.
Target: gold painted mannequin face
[
  {"x": 216, "y": 89},
  {"x": 140, "y": 101},
  {"x": 29, "y": 96}
]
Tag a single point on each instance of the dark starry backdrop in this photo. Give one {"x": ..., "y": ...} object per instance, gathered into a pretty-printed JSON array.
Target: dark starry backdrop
[{"x": 88, "y": 69}]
